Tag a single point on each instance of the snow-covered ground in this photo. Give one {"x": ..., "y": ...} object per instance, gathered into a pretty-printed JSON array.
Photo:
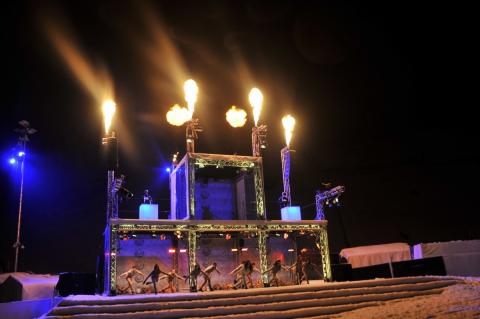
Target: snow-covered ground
[
  {"x": 412, "y": 297},
  {"x": 458, "y": 301}
]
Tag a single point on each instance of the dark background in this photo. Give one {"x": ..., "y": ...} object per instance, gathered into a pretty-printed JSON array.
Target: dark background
[{"x": 379, "y": 91}]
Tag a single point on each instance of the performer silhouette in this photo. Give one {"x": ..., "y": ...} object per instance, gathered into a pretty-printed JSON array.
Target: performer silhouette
[
  {"x": 242, "y": 273},
  {"x": 276, "y": 267},
  {"x": 170, "y": 276},
  {"x": 206, "y": 276},
  {"x": 129, "y": 274},
  {"x": 193, "y": 277},
  {"x": 154, "y": 277}
]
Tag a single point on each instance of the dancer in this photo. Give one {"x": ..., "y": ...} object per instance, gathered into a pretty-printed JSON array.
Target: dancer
[
  {"x": 296, "y": 268},
  {"x": 206, "y": 276},
  {"x": 276, "y": 267},
  {"x": 129, "y": 274},
  {"x": 243, "y": 272},
  {"x": 305, "y": 265},
  {"x": 154, "y": 276},
  {"x": 193, "y": 277},
  {"x": 170, "y": 278}
]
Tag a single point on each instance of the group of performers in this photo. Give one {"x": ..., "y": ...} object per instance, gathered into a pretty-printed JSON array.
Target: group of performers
[{"x": 242, "y": 275}]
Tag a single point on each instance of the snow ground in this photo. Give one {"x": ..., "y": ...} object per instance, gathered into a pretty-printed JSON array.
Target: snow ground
[
  {"x": 413, "y": 297},
  {"x": 458, "y": 301}
]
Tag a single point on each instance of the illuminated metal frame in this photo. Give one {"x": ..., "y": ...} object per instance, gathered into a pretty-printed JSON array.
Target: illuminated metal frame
[
  {"x": 193, "y": 160},
  {"x": 194, "y": 228}
]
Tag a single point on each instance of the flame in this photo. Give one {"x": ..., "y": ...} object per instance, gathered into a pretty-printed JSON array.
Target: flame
[
  {"x": 256, "y": 99},
  {"x": 236, "y": 117},
  {"x": 191, "y": 92},
  {"x": 108, "y": 108},
  {"x": 288, "y": 124},
  {"x": 178, "y": 115}
]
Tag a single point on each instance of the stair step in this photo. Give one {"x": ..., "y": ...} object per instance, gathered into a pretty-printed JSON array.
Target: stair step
[
  {"x": 317, "y": 300},
  {"x": 250, "y": 300}
]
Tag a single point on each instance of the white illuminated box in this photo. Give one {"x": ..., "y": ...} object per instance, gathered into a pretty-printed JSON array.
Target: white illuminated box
[
  {"x": 148, "y": 211},
  {"x": 291, "y": 213}
]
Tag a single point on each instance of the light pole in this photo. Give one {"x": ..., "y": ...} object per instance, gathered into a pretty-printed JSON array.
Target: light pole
[
  {"x": 110, "y": 142},
  {"x": 24, "y": 131}
]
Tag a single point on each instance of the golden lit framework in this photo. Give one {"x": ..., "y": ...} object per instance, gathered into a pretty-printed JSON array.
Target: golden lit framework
[
  {"x": 318, "y": 228},
  {"x": 193, "y": 161}
]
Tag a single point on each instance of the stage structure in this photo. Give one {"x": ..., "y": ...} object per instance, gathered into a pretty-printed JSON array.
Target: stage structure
[
  {"x": 217, "y": 215},
  {"x": 324, "y": 198}
]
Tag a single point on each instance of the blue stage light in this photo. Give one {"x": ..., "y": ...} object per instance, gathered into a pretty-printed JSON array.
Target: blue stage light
[
  {"x": 21, "y": 154},
  {"x": 168, "y": 170},
  {"x": 12, "y": 161}
]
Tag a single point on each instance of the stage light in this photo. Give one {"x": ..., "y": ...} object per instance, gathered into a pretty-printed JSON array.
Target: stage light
[
  {"x": 304, "y": 250},
  {"x": 12, "y": 161},
  {"x": 244, "y": 249},
  {"x": 236, "y": 117},
  {"x": 291, "y": 250},
  {"x": 168, "y": 169},
  {"x": 171, "y": 251},
  {"x": 234, "y": 249},
  {"x": 183, "y": 250},
  {"x": 191, "y": 92},
  {"x": 108, "y": 109},
  {"x": 256, "y": 99},
  {"x": 21, "y": 154},
  {"x": 154, "y": 235},
  {"x": 288, "y": 124}
]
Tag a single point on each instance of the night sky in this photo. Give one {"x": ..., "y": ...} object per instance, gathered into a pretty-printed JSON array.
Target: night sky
[{"x": 379, "y": 91}]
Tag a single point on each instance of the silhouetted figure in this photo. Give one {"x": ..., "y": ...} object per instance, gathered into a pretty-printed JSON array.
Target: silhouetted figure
[
  {"x": 154, "y": 277},
  {"x": 170, "y": 278},
  {"x": 129, "y": 274},
  {"x": 207, "y": 272}
]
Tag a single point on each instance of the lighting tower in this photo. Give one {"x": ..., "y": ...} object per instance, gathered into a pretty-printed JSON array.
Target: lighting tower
[
  {"x": 24, "y": 131},
  {"x": 324, "y": 198},
  {"x": 111, "y": 143}
]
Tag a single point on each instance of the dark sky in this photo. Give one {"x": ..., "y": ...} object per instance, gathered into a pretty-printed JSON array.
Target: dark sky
[{"x": 379, "y": 91}]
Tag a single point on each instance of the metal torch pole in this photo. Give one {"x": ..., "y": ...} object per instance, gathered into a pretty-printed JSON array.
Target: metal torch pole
[{"x": 17, "y": 244}]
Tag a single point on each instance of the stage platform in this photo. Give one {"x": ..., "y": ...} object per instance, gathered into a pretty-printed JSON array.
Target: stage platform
[{"x": 207, "y": 241}]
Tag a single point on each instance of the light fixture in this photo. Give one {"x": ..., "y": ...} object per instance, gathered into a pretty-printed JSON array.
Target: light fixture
[
  {"x": 12, "y": 161},
  {"x": 171, "y": 251},
  {"x": 183, "y": 250},
  {"x": 244, "y": 249},
  {"x": 21, "y": 154},
  {"x": 234, "y": 249},
  {"x": 291, "y": 250}
]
